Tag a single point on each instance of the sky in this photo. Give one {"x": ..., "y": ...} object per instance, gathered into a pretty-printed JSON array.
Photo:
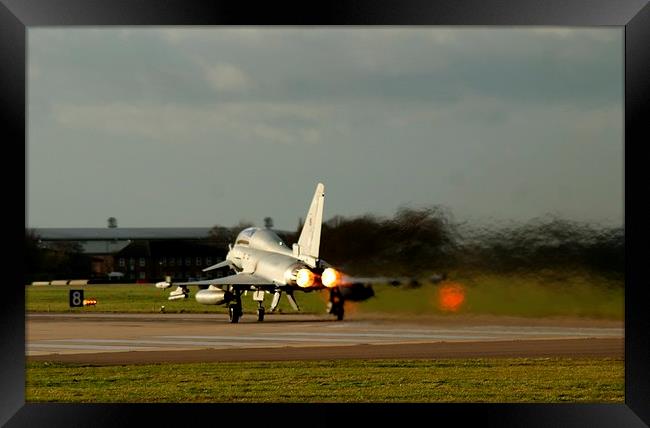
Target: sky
[{"x": 198, "y": 126}]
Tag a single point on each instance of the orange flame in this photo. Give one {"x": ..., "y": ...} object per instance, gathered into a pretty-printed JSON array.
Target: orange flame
[
  {"x": 305, "y": 278},
  {"x": 451, "y": 296},
  {"x": 330, "y": 277}
]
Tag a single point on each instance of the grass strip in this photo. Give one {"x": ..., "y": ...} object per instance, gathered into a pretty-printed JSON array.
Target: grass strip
[{"x": 547, "y": 380}]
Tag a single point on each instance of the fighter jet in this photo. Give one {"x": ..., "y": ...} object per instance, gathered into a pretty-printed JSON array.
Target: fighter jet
[{"x": 262, "y": 263}]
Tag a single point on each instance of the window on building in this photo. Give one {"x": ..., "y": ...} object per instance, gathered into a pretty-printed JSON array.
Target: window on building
[
  {"x": 198, "y": 261},
  {"x": 188, "y": 261},
  {"x": 163, "y": 261},
  {"x": 132, "y": 261},
  {"x": 208, "y": 261},
  {"x": 142, "y": 261},
  {"x": 122, "y": 262},
  {"x": 172, "y": 261},
  {"x": 179, "y": 261},
  {"x": 141, "y": 275}
]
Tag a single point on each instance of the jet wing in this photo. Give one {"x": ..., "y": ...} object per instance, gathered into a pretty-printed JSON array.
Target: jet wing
[
  {"x": 237, "y": 279},
  {"x": 219, "y": 265}
]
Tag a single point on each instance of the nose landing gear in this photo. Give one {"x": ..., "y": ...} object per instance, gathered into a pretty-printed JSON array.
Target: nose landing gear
[{"x": 258, "y": 296}]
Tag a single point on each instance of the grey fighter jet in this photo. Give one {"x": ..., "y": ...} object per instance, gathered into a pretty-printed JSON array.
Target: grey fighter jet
[{"x": 263, "y": 264}]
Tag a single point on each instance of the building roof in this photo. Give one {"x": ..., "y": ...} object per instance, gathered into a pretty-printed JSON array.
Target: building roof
[
  {"x": 171, "y": 248},
  {"x": 135, "y": 249},
  {"x": 120, "y": 233},
  {"x": 103, "y": 247},
  {"x": 91, "y": 247}
]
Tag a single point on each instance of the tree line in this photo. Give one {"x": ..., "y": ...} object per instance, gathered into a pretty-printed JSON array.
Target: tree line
[
  {"x": 61, "y": 260},
  {"x": 415, "y": 241}
]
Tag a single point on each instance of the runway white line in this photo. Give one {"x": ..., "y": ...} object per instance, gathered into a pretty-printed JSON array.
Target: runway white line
[
  {"x": 288, "y": 338},
  {"x": 291, "y": 338},
  {"x": 87, "y": 347},
  {"x": 488, "y": 328},
  {"x": 145, "y": 333},
  {"x": 142, "y": 346},
  {"x": 218, "y": 341},
  {"x": 459, "y": 332},
  {"x": 41, "y": 348}
]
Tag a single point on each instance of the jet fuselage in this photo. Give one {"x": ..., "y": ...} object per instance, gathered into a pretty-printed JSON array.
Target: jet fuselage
[{"x": 263, "y": 253}]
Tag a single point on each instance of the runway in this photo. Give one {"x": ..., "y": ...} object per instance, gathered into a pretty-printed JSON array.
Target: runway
[{"x": 149, "y": 338}]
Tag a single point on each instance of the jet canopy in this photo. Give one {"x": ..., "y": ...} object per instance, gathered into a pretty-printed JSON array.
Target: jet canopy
[
  {"x": 245, "y": 235},
  {"x": 263, "y": 239}
]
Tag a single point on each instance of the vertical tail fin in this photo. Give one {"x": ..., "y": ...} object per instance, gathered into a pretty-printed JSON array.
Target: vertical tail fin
[{"x": 309, "y": 241}]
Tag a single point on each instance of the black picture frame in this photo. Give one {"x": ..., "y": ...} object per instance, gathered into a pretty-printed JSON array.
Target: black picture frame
[{"x": 17, "y": 15}]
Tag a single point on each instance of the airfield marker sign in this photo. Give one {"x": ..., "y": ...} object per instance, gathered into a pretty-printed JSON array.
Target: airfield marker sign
[{"x": 76, "y": 298}]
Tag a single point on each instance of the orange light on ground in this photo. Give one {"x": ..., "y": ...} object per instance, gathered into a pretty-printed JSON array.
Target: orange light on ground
[
  {"x": 89, "y": 302},
  {"x": 451, "y": 296}
]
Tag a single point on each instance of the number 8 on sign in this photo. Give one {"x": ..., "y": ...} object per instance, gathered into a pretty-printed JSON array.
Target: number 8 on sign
[{"x": 76, "y": 298}]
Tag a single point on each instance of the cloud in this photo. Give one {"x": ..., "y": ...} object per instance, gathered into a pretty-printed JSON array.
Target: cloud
[
  {"x": 33, "y": 71},
  {"x": 179, "y": 124},
  {"x": 227, "y": 77},
  {"x": 191, "y": 35},
  {"x": 178, "y": 65},
  {"x": 594, "y": 34},
  {"x": 509, "y": 108}
]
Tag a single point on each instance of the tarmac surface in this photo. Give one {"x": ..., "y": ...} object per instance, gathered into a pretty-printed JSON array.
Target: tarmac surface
[{"x": 103, "y": 338}]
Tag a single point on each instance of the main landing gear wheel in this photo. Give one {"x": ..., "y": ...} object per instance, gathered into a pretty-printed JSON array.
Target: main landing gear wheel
[
  {"x": 338, "y": 311},
  {"x": 260, "y": 314},
  {"x": 234, "y": 312},
  {"x": 335, "y": 304}
]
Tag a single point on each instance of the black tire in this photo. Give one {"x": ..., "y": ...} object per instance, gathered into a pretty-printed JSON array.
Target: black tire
[
  {"x": 260, "y": 314},
  {"x": 339, "y": 312},
  {"x": 234, "y": 312}
]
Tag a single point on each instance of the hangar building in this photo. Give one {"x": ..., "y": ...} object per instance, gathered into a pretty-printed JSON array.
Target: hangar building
[{"x": 141, "y": 254}]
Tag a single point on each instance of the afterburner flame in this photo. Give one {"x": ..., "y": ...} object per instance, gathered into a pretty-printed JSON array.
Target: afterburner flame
[
  {"x": 305, "y": 278},
  {"x": 451, "y": 296},
  {"x": 330, "y": 277}
]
